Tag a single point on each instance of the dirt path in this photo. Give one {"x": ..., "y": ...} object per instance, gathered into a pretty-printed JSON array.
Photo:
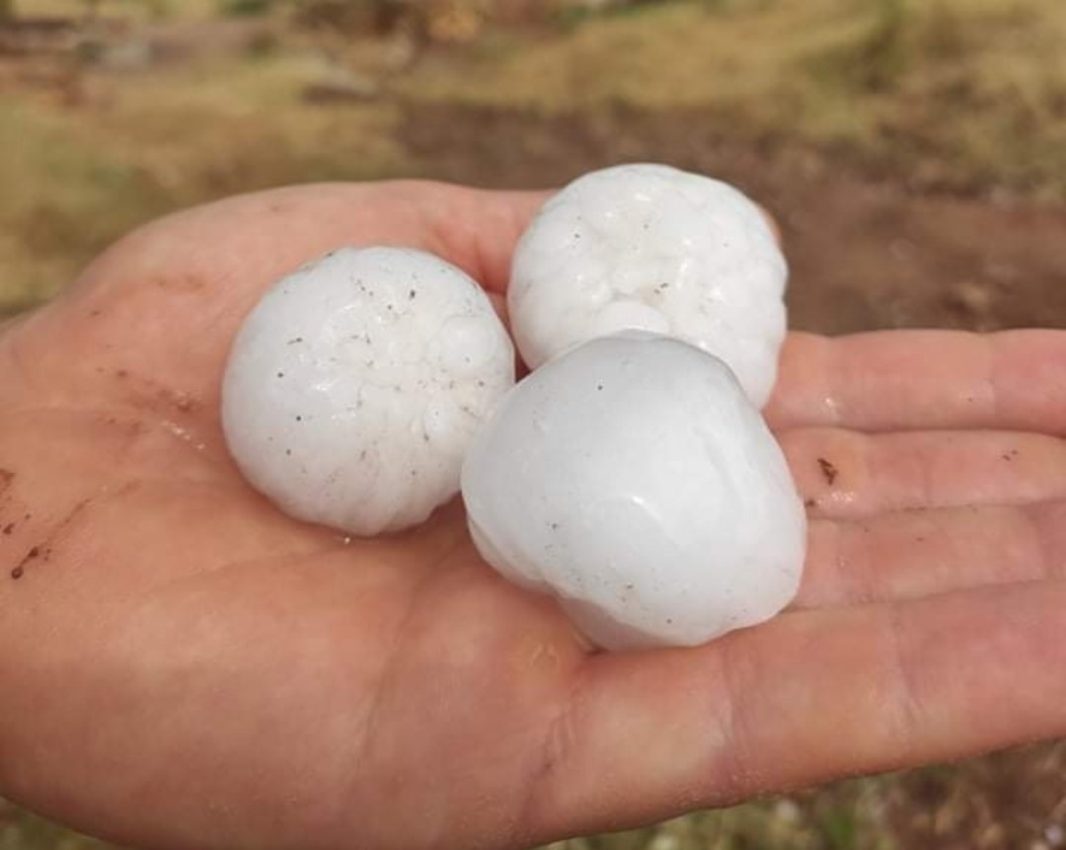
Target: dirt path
[{"x": 865, "y": 252}]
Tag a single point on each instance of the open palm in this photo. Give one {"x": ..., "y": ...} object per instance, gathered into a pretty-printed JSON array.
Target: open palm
[{"x": 183, "y": 666}]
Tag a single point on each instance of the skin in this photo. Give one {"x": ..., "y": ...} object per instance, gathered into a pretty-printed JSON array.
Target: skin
[{"x": 182, "y": 666}]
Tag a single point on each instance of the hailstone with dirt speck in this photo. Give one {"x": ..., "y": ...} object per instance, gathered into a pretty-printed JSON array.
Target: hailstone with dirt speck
[
  {"x": 633, "y": 479},
  {"x": 356, "y": 384},
  {"x": 652, "y": 248}
]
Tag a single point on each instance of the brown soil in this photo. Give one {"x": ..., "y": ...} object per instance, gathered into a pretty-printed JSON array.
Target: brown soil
[{"x": 866, "y": 252}]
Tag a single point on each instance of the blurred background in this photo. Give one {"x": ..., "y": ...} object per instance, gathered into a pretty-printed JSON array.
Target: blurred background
[{"x": 914, "y": 152}]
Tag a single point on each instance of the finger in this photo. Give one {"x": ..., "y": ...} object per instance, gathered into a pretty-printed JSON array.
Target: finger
[
  {"x": 807, "y": 697},
  {"x": 847, "y": 474},
  {"x": 902, "y": 380},
  {"x": 915, "y": 554}
]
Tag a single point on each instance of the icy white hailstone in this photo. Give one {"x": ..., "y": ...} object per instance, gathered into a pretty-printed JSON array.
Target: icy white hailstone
[
  {"x": 633, "y": 479},
  {"x": 356, "y": 384},
  {"x": 653, "y": 248}
]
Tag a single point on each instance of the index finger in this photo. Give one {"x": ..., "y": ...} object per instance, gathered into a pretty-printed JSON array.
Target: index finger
[{"x": 923, "y": 379}]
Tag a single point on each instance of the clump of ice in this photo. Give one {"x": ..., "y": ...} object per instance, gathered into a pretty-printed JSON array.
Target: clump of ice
[
  {"x": 356, "y": 384},
  {"x": 633, "y": 479},
  {"x": 653, "y": 248}
]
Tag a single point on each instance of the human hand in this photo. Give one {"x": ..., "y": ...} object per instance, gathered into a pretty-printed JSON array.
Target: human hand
[{"x": 183, "y": 666}]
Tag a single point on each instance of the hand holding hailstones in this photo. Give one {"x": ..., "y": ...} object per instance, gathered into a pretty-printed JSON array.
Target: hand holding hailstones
[{"x": 631, "y": 474}]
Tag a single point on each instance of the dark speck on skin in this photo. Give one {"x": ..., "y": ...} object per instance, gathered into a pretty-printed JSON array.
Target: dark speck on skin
[
  {"x": 299, "y": 418},
  {"x": 411, "y": 294},
  {"x": 33, "y": 553},
  {"x": 810, "y": 503},
  {"x": 9, "y": 528},
  {"x": 281, "y": 374},
  {"x": 294, "y": 341},
  {"x": 829, "y": 472},
  {"x": 121, "y": 373},
  {"x": 6, "y": 477},
  {"x": 288, "y": 451},
  {"x": 554, "y": 526},
  {"x": 1010, "y": 455},
  {"x": 599, "y": 387}
]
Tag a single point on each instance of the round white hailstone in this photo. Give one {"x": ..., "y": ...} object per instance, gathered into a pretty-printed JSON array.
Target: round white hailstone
[
  {"x": 652, "y": 248},
  {"x": 356, "y": 384},
  {"x": 632, "y": 478}
]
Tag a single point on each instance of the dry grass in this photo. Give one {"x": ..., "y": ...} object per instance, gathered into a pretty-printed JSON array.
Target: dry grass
[
  {"x": 957, "y": 93},
  {"x": 75, "y": 179},
  {"x": 962, "y": 93},
  {"x": 20, "y": 831},
  {"x": 849, "y": 817}
]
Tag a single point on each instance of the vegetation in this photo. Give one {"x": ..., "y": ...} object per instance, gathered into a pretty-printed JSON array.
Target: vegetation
[
  {"x": 950, "y": 91},
  {"x": 959, "y": 94}
]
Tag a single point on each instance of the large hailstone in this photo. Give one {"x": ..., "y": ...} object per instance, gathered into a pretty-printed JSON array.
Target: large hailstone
[
  {"x": 653, "y": 248},
  {"x": 633, "y": 479},
  {"x": 356, "y": 384}
]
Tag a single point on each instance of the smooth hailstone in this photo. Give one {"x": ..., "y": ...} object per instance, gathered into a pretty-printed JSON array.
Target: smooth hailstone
[
  {"x": 633, "y": 479},
  {"x": 356, "y": 384},
  {"x": 653, "y": 248}
]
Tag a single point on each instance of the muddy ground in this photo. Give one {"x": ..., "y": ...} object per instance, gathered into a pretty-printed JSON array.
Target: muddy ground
[{"x": 867, "y": 251}]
